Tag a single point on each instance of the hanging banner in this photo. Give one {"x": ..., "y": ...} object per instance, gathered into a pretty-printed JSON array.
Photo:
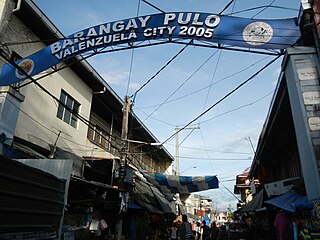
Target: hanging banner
[
  {"x": 227, "y": 30},
  {"x": 170, "y": 184}
]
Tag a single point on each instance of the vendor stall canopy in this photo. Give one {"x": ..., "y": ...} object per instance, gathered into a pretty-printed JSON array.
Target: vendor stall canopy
[
  {"x": 256, "y": 203},
  {"x": 170, "y": 184},
  {"x": 150, "y": 198},
  {"x": 290, "y": 202}
]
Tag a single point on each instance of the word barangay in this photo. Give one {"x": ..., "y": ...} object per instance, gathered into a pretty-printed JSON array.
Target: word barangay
[{"x": 167, "y": 25}]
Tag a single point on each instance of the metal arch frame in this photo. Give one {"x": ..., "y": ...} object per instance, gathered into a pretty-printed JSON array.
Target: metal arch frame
[{"x": 148, "y": 43}]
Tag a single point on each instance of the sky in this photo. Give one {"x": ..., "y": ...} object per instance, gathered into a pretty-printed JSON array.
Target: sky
[{"x": 222, "y": 141}]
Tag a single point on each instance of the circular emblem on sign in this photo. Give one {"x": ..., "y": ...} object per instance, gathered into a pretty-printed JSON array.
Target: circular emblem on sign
[
  {"x": 27, "y": 65},
  {"x": 257, "y": 33}
]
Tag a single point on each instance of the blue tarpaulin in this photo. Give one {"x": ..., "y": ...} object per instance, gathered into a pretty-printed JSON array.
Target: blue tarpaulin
[
  {"x": 290, "y": 201},
  {"x": 170, "y": 184}
]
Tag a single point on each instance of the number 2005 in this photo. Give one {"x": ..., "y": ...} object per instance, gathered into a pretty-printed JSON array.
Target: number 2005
[{"x": 194, "y": 31}]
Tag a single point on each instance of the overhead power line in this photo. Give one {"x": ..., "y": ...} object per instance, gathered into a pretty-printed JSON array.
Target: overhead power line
[
  {"x": 81, "y": 118},
  {"x": 264, "y": 6},
  {"x": 208, "y": 86},
  {"x": 262, "y": 10},
  {"x": 219, "y": 115},
  {"x": 230, "y": 192},
  {"x": 216, "y": 159},
  {"x": 181, "y": 85},
  {"x": 160, "y": 70},
  {"x": 155, "y": 7},
  {"x": 50, "y": 130},
  {"x": 223, "y": 98},
  {"x": 226, "y": 7}
]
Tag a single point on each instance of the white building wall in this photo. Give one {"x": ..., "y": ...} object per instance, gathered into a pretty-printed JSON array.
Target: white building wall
[{"x": 37, "y": 121}]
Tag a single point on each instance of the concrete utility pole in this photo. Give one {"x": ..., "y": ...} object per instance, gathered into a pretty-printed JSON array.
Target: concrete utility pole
[
  {"x": 123, "y": 163},
  {"x": 177, "y": 130},
  {"x": 124, "y": 136}
]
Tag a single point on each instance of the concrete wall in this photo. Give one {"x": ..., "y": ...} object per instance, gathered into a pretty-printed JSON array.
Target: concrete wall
[{"x": 37, "y": 120}]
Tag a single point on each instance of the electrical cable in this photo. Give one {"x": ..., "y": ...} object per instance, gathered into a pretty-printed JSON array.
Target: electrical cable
[
  {"x": 158, "y": 72},
  {"x": 181, "y": 85},
  {"x": 230, "y": 191},
  {"x": 226, "y": 7},
  {"x": 262, "y": 10},
  {"x": 205, "y": 103},
  {"x": 223, "y": 98},
  {"x": 82, "y": 119},
  {"x": 219, "y": 115},
  {"x": 216, "y": 159},
  {"x": 186, "y": 137},
  {"x": 235, "y": 109},
  {"x": 45, "y": 127},
  {"x": 213, "y": 76},
  {"x": 155, "y": 7},
  {"x": 132, "y": 56},
  {"x": 255, "y": 8},
  {"x": 204, "y": 88},
  {"x": 202, "y": 149}
]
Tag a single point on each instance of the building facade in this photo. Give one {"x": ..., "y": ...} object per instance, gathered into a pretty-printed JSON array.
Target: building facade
[{"x": 69, "y": 112}]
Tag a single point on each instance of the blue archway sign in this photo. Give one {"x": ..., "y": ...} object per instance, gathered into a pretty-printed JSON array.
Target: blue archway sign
[{"x": 227, "y": 30}]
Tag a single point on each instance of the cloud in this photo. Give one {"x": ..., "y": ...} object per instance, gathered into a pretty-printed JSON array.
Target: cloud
[
  {"x": 116, "y": 78},
  {"x": 134, "y": 86}
]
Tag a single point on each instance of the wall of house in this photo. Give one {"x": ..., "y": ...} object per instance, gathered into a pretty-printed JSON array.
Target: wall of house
[{"x": 37, "y": 121}]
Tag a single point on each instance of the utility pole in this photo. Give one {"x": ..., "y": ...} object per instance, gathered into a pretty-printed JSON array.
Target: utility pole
[
  {"x": 122, "y": 168},
  {"x": 177, "y": 130}
]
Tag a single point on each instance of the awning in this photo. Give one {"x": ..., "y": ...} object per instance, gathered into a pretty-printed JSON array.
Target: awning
[
  {"x": 150, "y": 198},
  {"x": 255, "y": 204},
  {"x": 170, "y": 184},
  {"x": 290, "y": 201}
]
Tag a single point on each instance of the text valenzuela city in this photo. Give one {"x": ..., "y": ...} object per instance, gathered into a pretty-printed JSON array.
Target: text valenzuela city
[{"x": 135, "y": 29}]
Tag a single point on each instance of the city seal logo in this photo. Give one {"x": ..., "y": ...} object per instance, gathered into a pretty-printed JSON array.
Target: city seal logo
[
  {"x": 27, "y": 66},
  {"x": 257, "y": 33}
]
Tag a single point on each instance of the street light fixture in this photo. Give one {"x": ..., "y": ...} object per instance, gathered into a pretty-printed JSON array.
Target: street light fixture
[
  {"x": 188, "y": 169},
  {"x": 144, "y": 143}
]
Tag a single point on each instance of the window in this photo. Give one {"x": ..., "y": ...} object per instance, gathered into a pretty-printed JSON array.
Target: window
[
  {"x": 98, "y": 135},
  {"x": 64, "y": 114}
]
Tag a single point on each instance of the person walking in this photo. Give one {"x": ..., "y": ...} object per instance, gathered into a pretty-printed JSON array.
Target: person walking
[
  {"x": 198, "y": 231},
  {"x": 205, "y": 233},
  {"x": 174, "y": 230},
  {"x": 214, "y": 231},
  {"x": 283, "y": 225},
  {"x": 223, "y": 234},
  {"x": 186, "y": 229}
]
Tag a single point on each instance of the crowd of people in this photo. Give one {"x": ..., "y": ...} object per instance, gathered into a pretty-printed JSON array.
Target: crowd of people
[{"x": 197, "y": 231}]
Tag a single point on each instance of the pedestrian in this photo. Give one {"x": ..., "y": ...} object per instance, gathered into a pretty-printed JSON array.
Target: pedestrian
[
  {"x": 198, "y": 231},
  {"x": 214, "y": 231},
  {"x": 283, "y": 225},
  {"x": 186, "y": 229},
  {"x": 173, "y": 232},
  {"x": 205, "y": 231},
  {"x": 223, "y": 234}
]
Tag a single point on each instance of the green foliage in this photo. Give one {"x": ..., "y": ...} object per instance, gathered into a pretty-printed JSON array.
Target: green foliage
[{"x": 230, "y": 214}]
